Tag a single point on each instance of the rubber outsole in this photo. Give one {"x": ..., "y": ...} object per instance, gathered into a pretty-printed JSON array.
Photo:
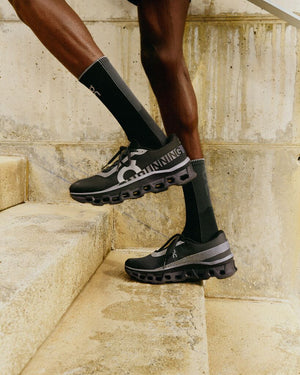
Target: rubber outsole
[
  {"x": 153, "y": 184},
  {"x": 184, "y": 274}
]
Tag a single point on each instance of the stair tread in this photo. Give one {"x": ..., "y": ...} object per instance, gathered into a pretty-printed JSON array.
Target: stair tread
[
  {"x": 252, "y": 337},
  {"x": 118, "y": 326},
  {"x": 47, "y": 254},
  {"x": 32, "y": 235},
  {"x": 12, "y": 181}
]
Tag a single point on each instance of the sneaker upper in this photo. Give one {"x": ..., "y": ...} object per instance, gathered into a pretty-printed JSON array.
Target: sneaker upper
[
  {"x": 133, "y": 162},
  {"x": 180, "y": 251}
]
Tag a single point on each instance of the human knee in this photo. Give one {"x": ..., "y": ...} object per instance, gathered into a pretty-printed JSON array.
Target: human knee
[
  {"x": 187, "y": 125},
  {"x": 159, "y": 56}
]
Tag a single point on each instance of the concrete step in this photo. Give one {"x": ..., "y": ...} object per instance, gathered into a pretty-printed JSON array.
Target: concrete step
[
  {"x": 117, "y": 326},
  {"x": 13, "y": 181},
  {"x": 47, "y": 254},
  {"x": 252, "y": 337}
]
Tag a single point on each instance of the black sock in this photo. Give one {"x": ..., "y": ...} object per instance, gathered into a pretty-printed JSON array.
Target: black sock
[
  {"x": 200, "y": 224},
  {"x": 105, "y": 82}
]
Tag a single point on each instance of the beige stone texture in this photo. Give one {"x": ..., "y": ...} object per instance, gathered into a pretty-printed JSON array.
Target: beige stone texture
[
  {"x": 13, "y": 181},
  {"x": 117, "y": 326},
  {"x": 255, "y": 193},
  {"x": 64, "y": 110},
  {"x": 47, "y": 254},
  {"x": 53, "y": 167},
  {"x": 252, "y": 337},
  {"x": 121, "y": 9},
  {"x": 236, "y": 7},
  {"x": 244, "y": 75},
  {"x": 149, "y": 221}
]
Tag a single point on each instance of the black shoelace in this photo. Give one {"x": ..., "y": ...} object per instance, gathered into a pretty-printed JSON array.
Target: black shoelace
[
  {"x": 170, "y": 245},
  {"x": 121, "y": 155}
]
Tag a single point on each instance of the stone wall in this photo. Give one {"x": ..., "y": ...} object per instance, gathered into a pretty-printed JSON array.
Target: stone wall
[{"x": 245, "y": 68}]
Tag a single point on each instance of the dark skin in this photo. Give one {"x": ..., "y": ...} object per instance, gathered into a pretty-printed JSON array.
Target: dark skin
[
  {"x": 161, "y": 22},
  {"x": 162, "y": 27},
  {"x": 61, "y": 31}
]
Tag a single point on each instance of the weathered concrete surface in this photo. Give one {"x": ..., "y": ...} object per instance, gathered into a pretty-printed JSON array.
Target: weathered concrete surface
[
  {"x": 117, "y": 327},
  {"x": 116, "y": 9},
  {"x": 64, "y": 110},
  {"x": 248, "y": 96},
  {"x": 53, "y": 167},
  {"x": 236, "y": 7},
  {"x": 149, "y": 221},
  {"x": 13, "y": 181},
  {"x": 47, "y": 254},
  {"x": 244, "y": 75},
  {"x": 255, "y": 193},
  {"x": 252, "y": 337}
]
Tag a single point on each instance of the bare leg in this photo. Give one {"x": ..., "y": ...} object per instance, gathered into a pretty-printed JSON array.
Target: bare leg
[
  {"x": 162, "y": 27},
  {"x": 61, "y": 31}
]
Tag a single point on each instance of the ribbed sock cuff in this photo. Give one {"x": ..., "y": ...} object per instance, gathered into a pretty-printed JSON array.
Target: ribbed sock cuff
[{"x": 196, "y": 161}]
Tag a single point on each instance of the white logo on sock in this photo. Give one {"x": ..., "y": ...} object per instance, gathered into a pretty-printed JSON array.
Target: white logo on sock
[{"x": 94, "y": 91}]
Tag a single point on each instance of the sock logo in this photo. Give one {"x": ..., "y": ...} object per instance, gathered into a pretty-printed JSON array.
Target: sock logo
[{"x": 94, "y": 91}]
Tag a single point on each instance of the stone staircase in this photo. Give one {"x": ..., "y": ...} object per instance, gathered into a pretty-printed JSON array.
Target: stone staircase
[
  {"x": 59, "y": 317},
  {"x": 117, "y": 326},
  {"x": 47, "y": 254},
  {"x": 13, "y": 181},
  {"x": 63, "y": 312}
]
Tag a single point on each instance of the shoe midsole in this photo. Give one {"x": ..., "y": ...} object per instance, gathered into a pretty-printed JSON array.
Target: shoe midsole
[{"x": 174, "y": 268}]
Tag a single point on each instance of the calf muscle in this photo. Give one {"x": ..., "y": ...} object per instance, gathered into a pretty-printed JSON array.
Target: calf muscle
[{"x": 61, "y": 31}]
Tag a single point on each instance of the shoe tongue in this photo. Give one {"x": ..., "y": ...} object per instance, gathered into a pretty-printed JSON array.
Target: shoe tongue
[
  {"x": 180, "y": 242},
  {"x": 173, "y": 242},
  {"x": 134, "y": 144}
]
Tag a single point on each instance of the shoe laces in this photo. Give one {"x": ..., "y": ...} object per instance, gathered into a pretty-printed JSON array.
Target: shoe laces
[
  {"x": 121, "y": 155},
  {"x": 170, "y": 245}
]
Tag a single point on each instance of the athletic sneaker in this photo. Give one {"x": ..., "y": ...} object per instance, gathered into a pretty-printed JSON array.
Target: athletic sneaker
[
  {"x": 136, "y": 171},
  {"x": 182, "y": 259}
]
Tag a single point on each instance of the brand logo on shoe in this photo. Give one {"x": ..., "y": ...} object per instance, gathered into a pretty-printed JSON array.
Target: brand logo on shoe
[
  {"x": 158, "y": 164},
  {"x": 132, "y": 167},
  {"x": 164, "y": 160},
  {"x": 174, "y": 254}
]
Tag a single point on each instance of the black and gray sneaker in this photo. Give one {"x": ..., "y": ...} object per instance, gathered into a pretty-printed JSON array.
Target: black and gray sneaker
[
  {"x": 136, "y": 171},
  {"x": 182, "y": 259}
]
